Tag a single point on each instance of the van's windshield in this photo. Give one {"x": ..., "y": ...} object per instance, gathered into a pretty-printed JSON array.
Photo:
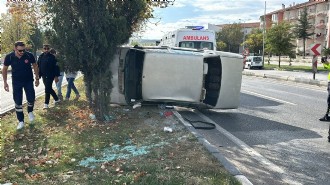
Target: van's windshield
[{"x": 196, "y": 45}]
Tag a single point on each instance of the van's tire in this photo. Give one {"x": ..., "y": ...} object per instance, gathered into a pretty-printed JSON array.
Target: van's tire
[
  {"x": 213, "y": 86},
  {"x": 249, "y": 67},
  {"x": 261, "y": 67},
  {"x": 212, "y": 94},
  {"x": 214, "y": 79},
  {"x": 214, "y": 71}
]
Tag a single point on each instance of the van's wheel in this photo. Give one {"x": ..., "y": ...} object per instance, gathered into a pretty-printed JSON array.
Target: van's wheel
[
  {"x": 214, "y": 79},
  {"x": 214, "y": 71},
  {"x": 213, "y": 86},
  {"x": 212, "y": 94},
  {"x": 260, "y": 67}
]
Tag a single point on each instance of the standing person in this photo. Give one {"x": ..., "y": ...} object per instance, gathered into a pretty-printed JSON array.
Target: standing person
[
  {"x": 22, "y": 78},
  {"x": 49, "y": 72},
  {"x": 326, "y": 116},
  {"x": 60, "y": 78},
  {"x": 70, "y": 77}
]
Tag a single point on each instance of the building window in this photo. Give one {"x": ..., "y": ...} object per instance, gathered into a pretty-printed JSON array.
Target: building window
[{"x": 274, "y": 17}]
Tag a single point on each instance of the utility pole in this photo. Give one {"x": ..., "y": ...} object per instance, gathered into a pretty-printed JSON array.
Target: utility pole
[{"x": 263, "y": 36}]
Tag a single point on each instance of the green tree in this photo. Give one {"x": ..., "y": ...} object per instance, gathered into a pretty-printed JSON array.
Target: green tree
[
  {"x": 326, "y": 51},
  {"x": 232, "y": 36},
  {"x": 221, "y": 46},
  {"x": 254, "y": 41},
  {"x": 301, "y": 30},
  {"x": 279, "y": 40},
  {"x": 87, "y": 34},
  {"x": 19, "y": 23},
  {"x": 35, "y": 40}
]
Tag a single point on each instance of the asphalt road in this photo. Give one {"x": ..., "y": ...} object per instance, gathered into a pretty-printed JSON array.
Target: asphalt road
[{"x": 276, "y": 136}]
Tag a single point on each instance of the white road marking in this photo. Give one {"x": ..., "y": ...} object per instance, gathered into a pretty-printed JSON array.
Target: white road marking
[
  {"x": 268, "y": 97},
  {"x": 257, "y": 156}
]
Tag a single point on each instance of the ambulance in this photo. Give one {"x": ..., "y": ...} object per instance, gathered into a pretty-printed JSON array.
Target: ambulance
[{"x": 195, "y": 37}]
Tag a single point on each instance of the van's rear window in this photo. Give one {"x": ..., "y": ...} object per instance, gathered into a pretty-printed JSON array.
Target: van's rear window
[{"x": 257, "y": 59}]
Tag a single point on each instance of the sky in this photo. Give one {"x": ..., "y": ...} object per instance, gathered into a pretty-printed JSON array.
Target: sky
[{"x": 201, "y": 12}]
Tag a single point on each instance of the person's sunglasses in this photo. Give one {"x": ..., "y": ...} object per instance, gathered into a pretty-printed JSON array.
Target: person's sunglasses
[
  {"x": 21, "y": 51},
  {"x": 46, "y": 48}
]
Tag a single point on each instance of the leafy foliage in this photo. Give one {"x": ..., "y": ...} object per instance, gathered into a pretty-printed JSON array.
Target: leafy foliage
[
  {"x": 301, "y": 30},
  {"x": 254, "y": 41},
  {"x": 279, "y": 40},
  {"x": 87, "y": 34},
  {"x": 232, "y": 36},
  {"x": 326, "y": 51},
  {"x": 20, "y": 23},
  {"x": 221, "y": 45}
]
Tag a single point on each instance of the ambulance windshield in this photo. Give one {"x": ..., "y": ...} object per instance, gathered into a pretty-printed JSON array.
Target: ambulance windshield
[{"x": 196, "y": 45}]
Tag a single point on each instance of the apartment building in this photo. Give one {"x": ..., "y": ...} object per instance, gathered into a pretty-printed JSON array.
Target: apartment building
[{"x": 318, "y": 15}]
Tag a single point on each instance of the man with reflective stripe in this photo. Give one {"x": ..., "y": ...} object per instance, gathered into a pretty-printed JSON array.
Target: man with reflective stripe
[
  {"x": 22, "y": 78},
  {"x": 326, "y": 117}
]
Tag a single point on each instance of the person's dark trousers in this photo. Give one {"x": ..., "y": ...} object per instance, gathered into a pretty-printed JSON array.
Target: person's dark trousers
[
  {"x": 18, "y": 87},
  {"x": 48, "y": 82}
]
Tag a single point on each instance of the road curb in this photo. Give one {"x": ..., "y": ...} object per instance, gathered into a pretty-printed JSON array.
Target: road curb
[
  {"x": 215, "y": 152},
  {"x": 288, "y": 78}
]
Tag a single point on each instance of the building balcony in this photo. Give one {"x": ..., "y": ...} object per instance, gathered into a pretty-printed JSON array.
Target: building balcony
[
  {"x": 322, "y": 14},
  {"x": 311, "y": 16},
  {"x": 320, "y": 25}
]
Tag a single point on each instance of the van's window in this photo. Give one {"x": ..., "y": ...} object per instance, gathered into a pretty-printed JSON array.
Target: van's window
[
  {"x": 257, "y": 59},
  {"x": 196, "y": 45}
]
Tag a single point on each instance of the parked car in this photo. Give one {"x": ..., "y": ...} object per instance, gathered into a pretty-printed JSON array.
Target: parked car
[
  {"x": 189, "y": 77},
  {"x": 254, "y": 62}
]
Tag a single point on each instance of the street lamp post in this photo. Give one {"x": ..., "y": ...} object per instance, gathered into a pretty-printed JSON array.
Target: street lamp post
[{"x": 243, "y": 47}]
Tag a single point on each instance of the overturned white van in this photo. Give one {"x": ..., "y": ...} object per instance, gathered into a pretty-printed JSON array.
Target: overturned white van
[{"x": 187, "y": 77}]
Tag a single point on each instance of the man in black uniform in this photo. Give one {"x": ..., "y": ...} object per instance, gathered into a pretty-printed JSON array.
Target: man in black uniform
[
  {"x": 22, "y": 78},
  {"x": 49, "y": 71}
]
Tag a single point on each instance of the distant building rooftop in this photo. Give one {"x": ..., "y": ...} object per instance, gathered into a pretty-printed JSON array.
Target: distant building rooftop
[{"x": 245, "y": 25}]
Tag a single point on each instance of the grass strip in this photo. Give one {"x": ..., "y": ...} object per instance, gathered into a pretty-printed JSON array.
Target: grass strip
[{"x": 65, "y": 146}]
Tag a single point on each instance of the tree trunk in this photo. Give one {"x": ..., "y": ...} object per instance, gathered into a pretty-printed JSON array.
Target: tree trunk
[
  {"x": 279, "y": 61},
  {"x": 98, "y": 89},
  {"x": 304, "y": 46}
]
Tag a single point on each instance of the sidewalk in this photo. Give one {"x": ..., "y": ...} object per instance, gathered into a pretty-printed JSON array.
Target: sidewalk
[{"x": 321, "y": 78}]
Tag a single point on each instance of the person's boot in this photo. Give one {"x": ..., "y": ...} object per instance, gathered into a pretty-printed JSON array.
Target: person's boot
[{"x": 325, "y": 118}]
